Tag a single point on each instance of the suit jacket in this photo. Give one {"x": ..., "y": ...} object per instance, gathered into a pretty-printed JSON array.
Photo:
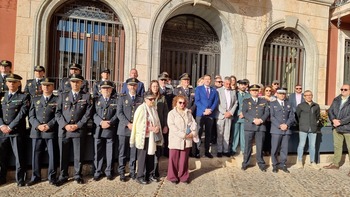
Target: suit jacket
[
  {"x": 280, "y": 115},
  {"x": 179, "y": 90},
  {"x": 162, "y": 110},
  {"x": 97, "y": 88},
  {"x": 41, "y": 112},
  {"x": 66, "y": 87},
  {"x": 3, "y": 86},
  {"x": 293, "y": 100},
  {"x": 240, "y": 99},
  {"x": 222, "y": 106},
  {"x": 203, "y": 102},
  {"x": 252, "y": 110},
  {"x": 33, "y": 88},
  {"x": 73, "y": 112},
  {"x": 140, "y": 89},
  {"x": 106, "y": 111},
  {"x": 13, "y": 113},
  {"x": 126, "y": 109}
]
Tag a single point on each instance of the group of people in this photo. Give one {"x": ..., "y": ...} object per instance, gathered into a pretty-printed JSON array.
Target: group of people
[{"x": 162, "y": 121}]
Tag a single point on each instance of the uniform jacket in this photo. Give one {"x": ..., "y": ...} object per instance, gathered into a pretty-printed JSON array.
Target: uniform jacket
[
  {"x": 66, "y": 87},
  {"x": 97, "y": 88},
  {"x": 126, "y": 109},
  {"x": 240, "y": 99},
  {"x": 168, "y": 94},
  {"x": 252, "y": 110},
  {"x": 3, "y": 86},
  {"x": 203, "y": 102},
  {"x": 307, "y": 116},
  {"x": 106, "y": 111},
  {"x": 73, "y": 112},
  {"x": 177, "y": 129},
  {"x": 179, "y": 90},
  {"x": 342, "y": 114},
  {"x": 13, "y": 113},
  {"x": 140, "y": 89},
  {"x": 222, "y": 106},
  {"x": 162, "y": 110},
  {"x": 280, "y": 115},
  {"x": 41, "y": 112},
  {"x": 33, "y": 88}
]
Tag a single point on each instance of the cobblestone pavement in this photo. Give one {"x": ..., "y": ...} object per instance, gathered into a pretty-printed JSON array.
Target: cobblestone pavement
[{"x": 209, "y": 177}]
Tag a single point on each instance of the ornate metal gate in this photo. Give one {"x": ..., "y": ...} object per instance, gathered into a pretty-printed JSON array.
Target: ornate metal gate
[
  {"x": 189, "y": 44},
  {"x": 283, "y": 59},
  {"x": 89, "y": 33}
]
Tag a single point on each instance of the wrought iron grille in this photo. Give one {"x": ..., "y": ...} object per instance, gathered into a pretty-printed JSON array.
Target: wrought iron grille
[
  {"x": 88, "y": 33},
  {"x": 189, "y": 44},
  {"x": 283, "y": 59},
  {"x": 347, "y": 62}
]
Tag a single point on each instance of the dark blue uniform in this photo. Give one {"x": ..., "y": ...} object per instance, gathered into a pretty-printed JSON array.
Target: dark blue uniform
[
  {"x": 97, "y": 88},
  {"x": 66, "y": 87},
  {"x": 33, "y": 87}
]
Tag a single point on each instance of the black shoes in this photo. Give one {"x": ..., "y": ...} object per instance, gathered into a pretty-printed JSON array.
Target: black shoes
[
  {"x": 244, "y": 168},
  {"x": 284, "y": 169},
  {"x": 154, "y": 179},
  {"x": 110, "y": 177},
  {"x": 53, "y": 182},
  {"x": 226, "y": 154},
  {"x": 21, "y": 184},
  {"x": 30, "y": 183},
  {"x": 274, "y": 169},
  {"x": 60, "y": 182},
  {"x": 122, "y": 178},
  {"x": 97, "y": 178},
  {"x": 174, "y": 182},
  {"x": 209, "y": 155},
  {"x": 132, "y": 175},
  {"x": 141, "y": 181},
  {"x": 263, "y": 169},
  {"x": 79, "y": 180},
  {"x": 2, "y": 182},
  {"x": 219, "y": 154}
]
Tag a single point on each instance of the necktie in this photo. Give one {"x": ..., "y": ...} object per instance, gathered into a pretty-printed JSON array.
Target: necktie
[
  {"x": 106, "y": 100},
  {"x": 186, "y": 91},
  {"x": 9, "y": 96},
  {"x": 46, "y": 99},
  {"x": 38, "y": 84},
  {"x": 207, "y": 92},
  {"x": 74, "y": 96},
  {"x": 133, "y": 98},
  {"x": 282, "y": 103}
]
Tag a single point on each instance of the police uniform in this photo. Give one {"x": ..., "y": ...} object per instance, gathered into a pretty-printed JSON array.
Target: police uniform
[
  {"x": 126, "y": 110},
  {"x": 106, "y": 110},
  {"x": 72, "y": 111},
  {"x": 42, "y": 111},
  {"x": 33, "y": 86},
  {"x": 14, "y": 108},
  {"x": 3, "y": 86},
  {"x": 281, "y": 112},
  {"x": 96, "y": 90},
  {"x": 65, "y": 82},
  {"x": 254, "y": 108}
]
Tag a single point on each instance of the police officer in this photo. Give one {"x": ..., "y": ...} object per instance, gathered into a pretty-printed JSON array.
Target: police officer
[
  {"x": 127, "y": 105},
  {"x": 105, "y": 76},
  {"x": 106, "y": 121},
  {"x": 73, "y": 112},
  {"x": 44, "y": 131},
  {"x": 5, "y": 69},
  {"x": 164, "y": 90},
  {"x": 65, "y": 85},
  {"x": 282, "y": 118},
  {"x": 255, "y": 111},
  {"x": 33, "y": 86},
  {"x": 14, "y": 107}
]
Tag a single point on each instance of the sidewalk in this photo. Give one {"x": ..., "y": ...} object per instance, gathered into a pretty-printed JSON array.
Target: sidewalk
[{"x": 209, "y": 177}]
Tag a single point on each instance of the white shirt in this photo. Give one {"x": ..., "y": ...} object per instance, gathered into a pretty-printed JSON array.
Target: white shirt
[
  {"x": 228, "y": 98},
  {"x": 298, "y": 98}
]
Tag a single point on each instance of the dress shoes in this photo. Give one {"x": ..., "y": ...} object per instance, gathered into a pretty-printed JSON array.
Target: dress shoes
[
  {"x": 244, "y": 168},
  {"x": 33, "y": 182},
  {"x": 219, "y": 154},
  {"x": 226, "y": 154},
  {"x": 2, "y": 182},
  {"x": 21, "y": 184},
  {"x": 52, "y": 182},
  {"x": 209, "y": 155},
  {"x": 233, "y": 153},
  {"x": 60, "y": 182},
  {"x": 122, "y": 178},
  {"x": 274, "y": 169},
  {"x": 154, "y": 179},
  {"x": 132, "y": 175},
  {"x": 97, "y": 178},
  {"x": 141, "y": 181},
  {"x": 262, "y": 169},
  {"x": 331, "y": 166},
  {"x": 284, "y": 169},
  {"x": 174, "y": 182},
  {"x": 110, "y": 177},
  {"x": 79, "y": 180}
]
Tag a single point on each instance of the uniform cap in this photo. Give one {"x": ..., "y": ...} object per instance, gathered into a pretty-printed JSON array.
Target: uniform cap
[
  {"x": 13, "y": 77},
  {"x": 106, "y": 70},
  {"x": 243, "y": 81},
  {"x": 75, "y": 66},
  {"x": 5, "y": 63},
  {"x": 163, "y": 76},
  {"x": 282, "y": 90},
  {"x": 47, "y": 81},
  {"x": 275, "y": 81},
  {"x": 75, "y": 77},
  {"x": 39, "y": 68},
  {"x": 132, "y": 81},
  {"x": 185, "y": 76},
  {"x": 254, "y": 87},
  {"x": 106, "y": 84}
]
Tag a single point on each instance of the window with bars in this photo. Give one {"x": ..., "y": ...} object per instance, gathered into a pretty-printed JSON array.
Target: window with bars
[{"x": 347, "y": 62}]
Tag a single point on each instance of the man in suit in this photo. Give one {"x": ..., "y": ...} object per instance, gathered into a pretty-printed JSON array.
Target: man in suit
[
  {"x": 73, "y": 111},
  {"x": 255, "y": 111},
  {"x": 140, "y": 86},
  {"x": 65, "y": 85},
  {"x": 282, "y": 118},
  {"x": 296, "y": 98},
  {"x": 105, "y": 76},
  {"x": 224, "y": 114},
  {"x": 33, "y": 86},
  {"x": 13, "y": 109},
  {"x": 206, "y": 99},
  {"x": 106, "y": 121},
  {"x": 237, "y": 130},
  {"x": 127, "y": 105},
  {"x": 44, "y": 131},
  {"x": 5, "y": 69}
]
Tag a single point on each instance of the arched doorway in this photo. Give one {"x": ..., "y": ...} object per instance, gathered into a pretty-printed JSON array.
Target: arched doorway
[
  {"x": 283, "y": 59},
  {"x": 189, "y": 44},
  {"x": 89, "y": 33}
]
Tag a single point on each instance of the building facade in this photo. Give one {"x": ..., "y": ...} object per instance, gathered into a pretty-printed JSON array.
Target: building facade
[{"x": 261, "y": 40}]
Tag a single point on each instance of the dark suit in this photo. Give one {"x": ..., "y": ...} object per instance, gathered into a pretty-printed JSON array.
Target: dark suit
[
  {"x": 125, "y": 111},
  {"x": 13, "y": 113},
  {"x": 42, "y": 112},
  {"x": 279, "y": 139},
  {"x": 293, "y": 100},
  {"x": 203, "y": 102},
  {"x": 66, "y": 87},
  {"x": 105, "y": 138},
  {"x": 254, "y": 110},
  {"x": 140, "y": 89},
  {"x": 33, "y": 87},
  {"x": 70, "y": 111},
  {"x": 97, "y": 88}
]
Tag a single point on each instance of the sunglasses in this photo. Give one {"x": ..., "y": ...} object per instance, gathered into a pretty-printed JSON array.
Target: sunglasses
[
  {"x": 343, "y": 89},
  {"x": 298, "y": 88},
  {"x": 151, "y": 99},
  {"x": 182, "y": 103},
  {"x": 163, "y": 79},
  {"x": 267, "y": 90},
  {"x": 218, "y": 81}
]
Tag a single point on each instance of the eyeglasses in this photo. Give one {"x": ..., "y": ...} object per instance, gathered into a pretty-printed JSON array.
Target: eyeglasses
[
  {"x": 218, "y": 81},
  {"x": 307, "y": 94},
  {"x": 182, "y": 103},
  {"x": 344, "y": 90},
  {"x": 267, "y": 90},
  {"x": 163, "y": 79},
  {"x": 151, "y": 99}
]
